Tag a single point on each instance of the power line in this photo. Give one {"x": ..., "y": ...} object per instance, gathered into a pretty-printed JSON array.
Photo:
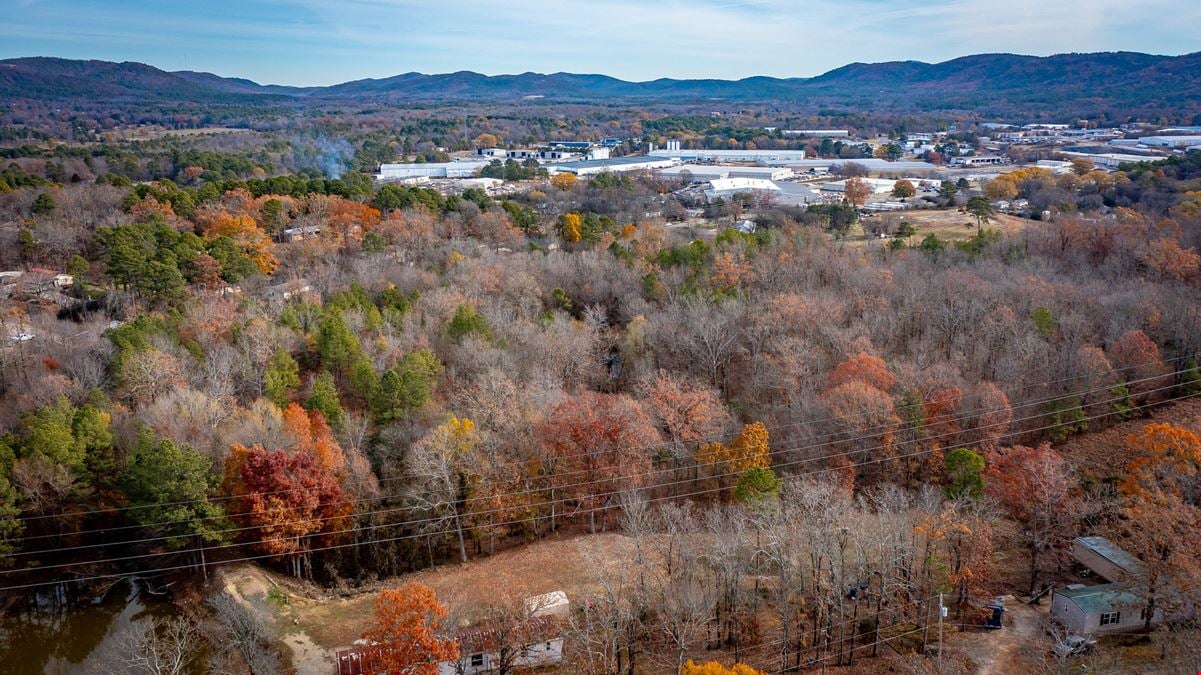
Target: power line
[
  {"x": 885, "y": 430},
  {"x": 451, "y": 531},
  {"x": 646, "y": 447},
  {"x": 552, "y": 502}
]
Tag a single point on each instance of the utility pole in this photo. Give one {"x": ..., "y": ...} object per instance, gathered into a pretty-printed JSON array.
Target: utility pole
[{"x": 942, "y": 611}]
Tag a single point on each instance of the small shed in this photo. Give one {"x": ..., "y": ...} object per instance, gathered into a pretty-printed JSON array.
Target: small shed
[
  {"x": 1106, "y": 559},
  {"x": 553, "y": 604},
  {"x": 1108, "y": 608}
]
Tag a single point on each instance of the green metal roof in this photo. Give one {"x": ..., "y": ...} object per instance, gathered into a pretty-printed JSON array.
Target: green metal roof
[
  {"x": 1111, "y": 552},
  {"x": 1103, "y": 598}
]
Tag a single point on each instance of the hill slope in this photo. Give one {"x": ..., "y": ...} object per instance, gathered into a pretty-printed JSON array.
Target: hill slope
[{"x": 1112, "y": 79}]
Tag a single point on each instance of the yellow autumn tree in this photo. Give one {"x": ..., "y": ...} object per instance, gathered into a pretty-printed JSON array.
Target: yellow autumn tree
[
  {"x": 714, "y": 668},
  {"x": 248, "y": 236},
  {"x": 571, "y": 227},
  {"x": 749, "y": 450},
  {"x": 564, "y": 181}
]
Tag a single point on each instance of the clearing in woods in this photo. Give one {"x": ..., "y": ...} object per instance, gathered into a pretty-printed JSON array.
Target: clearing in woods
[
  {"x": 948, "y": 224},
  {"x": 572, "y": 565}
]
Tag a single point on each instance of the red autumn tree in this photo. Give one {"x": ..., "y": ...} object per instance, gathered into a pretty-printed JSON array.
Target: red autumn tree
[
  {"x": 864, "y": 368},
  {"x": 993, "y": 415},
  {"x": 405, "y": 628},
  {"x": 686, "y": 412},
  {"x": 1137, "y": 359},
  {"x": 940, "y": 407},
  {"x": 598, "y": 445},
  {"x": 1036, "y": 488},
  {"x": 286, "y": 498}
]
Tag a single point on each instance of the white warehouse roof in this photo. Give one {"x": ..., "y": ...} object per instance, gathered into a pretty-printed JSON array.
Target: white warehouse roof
[
  {"x": 760, "y": 156},
  {"x": 615, "y": 164},
  {"x": 430, "y": 170},
  {"x": 706, "y": 172},
  {"x": 1169, "y": 141},
  {"x": 742, "y": 185}
]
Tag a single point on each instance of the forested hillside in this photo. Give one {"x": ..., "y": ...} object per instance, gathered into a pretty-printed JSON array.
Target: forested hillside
[{"x": 1063, "y": 85}]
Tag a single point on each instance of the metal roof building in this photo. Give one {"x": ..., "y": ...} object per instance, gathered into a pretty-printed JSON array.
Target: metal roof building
[
  {"x": 706, "y": 172},
  {"x": 753, "y": 156},
  {"x": 430, "y": 170},
  {"x": 614, "y": 164},
  {"x": 1109, "y": 608}
]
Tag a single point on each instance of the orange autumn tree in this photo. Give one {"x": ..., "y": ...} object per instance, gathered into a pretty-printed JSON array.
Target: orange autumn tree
[
  {"x": 248, "y": 236},
  {"x": 348, "y": 220},
  {"x": 313, "y": 435},
  {"x": 864, "y": 368},
  {"x": 405, "y": 626},
  {"x": 1162, "y": 456},
  {"x": 1158, "y": 524}
]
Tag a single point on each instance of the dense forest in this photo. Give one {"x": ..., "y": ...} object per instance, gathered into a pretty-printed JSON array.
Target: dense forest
[{"x": 424, "y": 378}]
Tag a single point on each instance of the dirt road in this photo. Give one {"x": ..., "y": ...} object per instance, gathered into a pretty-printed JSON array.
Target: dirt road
[{"x": 1015, "y": 649}]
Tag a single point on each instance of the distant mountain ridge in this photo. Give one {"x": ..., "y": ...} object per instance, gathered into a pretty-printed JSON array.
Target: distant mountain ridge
[{"x": 1099, "y": 79}]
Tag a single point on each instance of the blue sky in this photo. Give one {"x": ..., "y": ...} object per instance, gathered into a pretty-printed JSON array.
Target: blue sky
[{"x": 305, "y": 42}]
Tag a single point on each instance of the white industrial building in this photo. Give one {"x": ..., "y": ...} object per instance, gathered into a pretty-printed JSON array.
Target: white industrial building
[
  {"x": 725, "y": 187},
  {"x": 869, "y": 163},
  {"x": 719, "y": 156},
  {"x": 979, "y": 160},
  {"x": 1169, "y": 141},
  {"x": 703, "y": 173},
  {"x": 465, "y": 169},
  {"x": 615, "y": 165},
  {"x": 1111, "y": 160},
  {"x": 1055, "y": 165},
  {"x": 818, "y": 133}
]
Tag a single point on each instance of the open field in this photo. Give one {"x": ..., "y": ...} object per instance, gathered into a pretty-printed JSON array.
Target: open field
[
  {"x": 571, "y": 565},
  {"x": 947, "y": 224},
  {"x": 151, "y": 133}
]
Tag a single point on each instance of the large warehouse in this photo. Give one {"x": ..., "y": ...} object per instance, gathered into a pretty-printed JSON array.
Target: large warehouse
[
  {"x": 615, "y": 165},
  {"x": 1169, "y": 141},
  {"x": 465, "y": 169},
  {"x": 703, "y": 173},
  {"x": 753, "y": 156},
  {"x": 725, "y": 187}
]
